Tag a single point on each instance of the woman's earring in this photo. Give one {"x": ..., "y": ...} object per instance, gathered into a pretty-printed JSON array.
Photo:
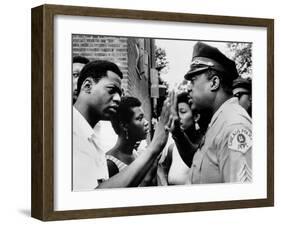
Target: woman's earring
[
  {"x": 197, "y": 127},
  {"x": 197, "y": 117},
  {"x": 126, "y": 134}
]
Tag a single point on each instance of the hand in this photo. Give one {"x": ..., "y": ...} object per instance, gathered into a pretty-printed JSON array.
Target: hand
[
  {"x": 173, "y": 118},
  {"x": 166, "y": 122}
]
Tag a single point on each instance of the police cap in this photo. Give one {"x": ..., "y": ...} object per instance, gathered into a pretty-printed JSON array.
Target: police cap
[{"x": 207, "y": 57}]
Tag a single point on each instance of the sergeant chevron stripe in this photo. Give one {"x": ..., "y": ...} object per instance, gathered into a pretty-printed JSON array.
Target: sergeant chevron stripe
[{"x": 245, "y": 174}]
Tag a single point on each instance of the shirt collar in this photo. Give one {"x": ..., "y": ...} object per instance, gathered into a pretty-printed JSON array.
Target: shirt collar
[
  {"x": 230, "y": 101},
  {"x": 80, "y": 123}
]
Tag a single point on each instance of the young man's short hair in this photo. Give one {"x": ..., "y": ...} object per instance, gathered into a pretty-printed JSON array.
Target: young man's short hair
[{"x": 96, "y": 70}]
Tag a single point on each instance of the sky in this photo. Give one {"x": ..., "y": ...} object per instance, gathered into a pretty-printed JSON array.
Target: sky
[{"x": 179, "y": 54}]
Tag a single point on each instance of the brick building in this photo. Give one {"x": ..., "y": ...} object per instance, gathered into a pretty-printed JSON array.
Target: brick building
[{"x": 134, "y": 56}]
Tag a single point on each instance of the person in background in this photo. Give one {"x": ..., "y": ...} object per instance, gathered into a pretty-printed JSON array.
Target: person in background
[
  {"x": 78, "y": 62},
  {"x": 130, "y": 125},
  {"x": 99, "y": 94},
  {"x": 242, "y": 89},
  {"x": 171, "y": 169},
  {"x": 225, "y": 153}
]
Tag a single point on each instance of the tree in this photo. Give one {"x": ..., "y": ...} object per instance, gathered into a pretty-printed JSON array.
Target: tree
[
  {"x": 241, "y": 53},
  {"x": 161, "y": 60},
  {"x": 161, "y": 65}
]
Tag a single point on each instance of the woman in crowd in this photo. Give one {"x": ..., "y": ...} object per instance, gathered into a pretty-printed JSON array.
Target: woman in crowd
[
  {"x": 131, "y": 127},
  {"x": 171, "y": 168}
]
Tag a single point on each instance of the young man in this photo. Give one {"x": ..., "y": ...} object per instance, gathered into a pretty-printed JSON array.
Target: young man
[
  {"x": 99, "y": 90},
  {"x": 225, "y": 153}
]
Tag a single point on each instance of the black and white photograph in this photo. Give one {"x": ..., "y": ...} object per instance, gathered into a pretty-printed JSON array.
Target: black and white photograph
[
  {"x": 160, "y": 112},
  {"x": 148, "y": 113}
]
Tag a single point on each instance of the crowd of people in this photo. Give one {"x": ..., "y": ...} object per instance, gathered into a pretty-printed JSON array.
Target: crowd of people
[{"x": 203, "y": 135}]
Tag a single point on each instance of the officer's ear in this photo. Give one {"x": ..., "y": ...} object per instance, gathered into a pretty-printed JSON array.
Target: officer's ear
[
  {"x": 215, "y": 83},
  {"x": 87, "y": 85}
]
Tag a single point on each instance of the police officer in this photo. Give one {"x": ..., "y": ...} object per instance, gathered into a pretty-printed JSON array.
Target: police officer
[
  {"x": 242, "y": 89},
  {"x": 225, "y": 152}
]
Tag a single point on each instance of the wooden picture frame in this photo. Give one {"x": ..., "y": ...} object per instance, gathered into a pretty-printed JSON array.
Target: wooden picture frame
[{"x": 42, "y": 203}]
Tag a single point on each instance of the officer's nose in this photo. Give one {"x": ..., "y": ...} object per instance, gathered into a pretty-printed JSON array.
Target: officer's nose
[
  {"x": 189, "y": 87},
  {"x": 189, "y": 92}
]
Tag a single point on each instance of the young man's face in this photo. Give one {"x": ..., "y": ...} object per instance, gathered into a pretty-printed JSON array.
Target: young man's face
[
  {"x": 200, "y": 92},
  {"x": 105, "y": 96}
]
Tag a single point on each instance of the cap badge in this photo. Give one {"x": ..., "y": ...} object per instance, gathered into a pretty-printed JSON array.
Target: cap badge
[{"x": 198, "y": 62}]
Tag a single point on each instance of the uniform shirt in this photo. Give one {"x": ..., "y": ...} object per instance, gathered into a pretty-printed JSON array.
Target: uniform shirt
[
  {"x": 225, "y": 153},
  {"x": 89, "y": 162}
]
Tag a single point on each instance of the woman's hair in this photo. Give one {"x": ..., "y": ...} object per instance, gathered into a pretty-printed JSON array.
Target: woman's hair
[
  {"x": 193, "y": 133},
  {"x": 124, "y": 112},
  {"x": 183, "y": 98}
]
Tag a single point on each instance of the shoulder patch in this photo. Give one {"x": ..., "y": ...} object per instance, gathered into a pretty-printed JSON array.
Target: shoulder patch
[{"x": 240, "y": 140}]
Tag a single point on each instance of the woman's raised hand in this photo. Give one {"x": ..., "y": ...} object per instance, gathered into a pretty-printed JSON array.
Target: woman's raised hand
[{"x": 167, "y": 120}]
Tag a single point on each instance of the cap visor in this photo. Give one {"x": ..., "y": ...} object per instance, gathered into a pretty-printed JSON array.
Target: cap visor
[{"x": 191, "y": 73}]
